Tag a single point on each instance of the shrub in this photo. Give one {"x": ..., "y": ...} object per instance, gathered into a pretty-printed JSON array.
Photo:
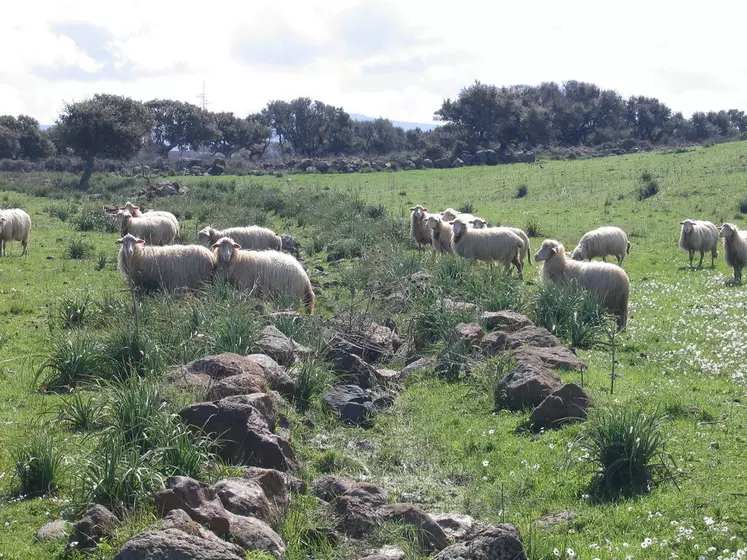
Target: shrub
[
  {"x": 649, "y": 186},
  {"x": 623, "y": 442},
  {"x": 312, "y": 379},
  {"x": 129, "y": 352},
  {"x": 95, "y": 220},
  {"x": 101, "y": 261},
  {"x": 570, "y": 312},
  {"x": 533, "y": 228},
  {"x": 74, "y": 361},
  {"x": 743, "y": 206},
  {"x": 521, "y": 191},
  {"x": 38, "y": 466},
  {"x": 62, "y": 213},
  {"x": 466, "y": 208},
  {"x": 77, "y": 249}
]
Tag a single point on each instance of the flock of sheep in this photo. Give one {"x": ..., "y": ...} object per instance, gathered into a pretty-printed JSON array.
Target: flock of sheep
[
  {"x": 250, "y": 258},
  {"x": 470, "y": 237}
]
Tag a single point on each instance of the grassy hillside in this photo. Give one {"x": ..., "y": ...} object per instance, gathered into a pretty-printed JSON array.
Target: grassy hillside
[{"x": 444, "y": 445}]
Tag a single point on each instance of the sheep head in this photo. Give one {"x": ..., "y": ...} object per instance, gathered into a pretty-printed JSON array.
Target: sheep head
[
  {"x": 205, "y": 236},
  {"x": 128, "y": 243},
  {"x": 418, "y": 211},
  {"x": 727, "y": 230},
  {"x": 578, "y": 253},
  {"x": 479, "y": 223},
  {"x": 225, "y": 247},
  {"x": 3, "y": 219},
  {"x": 449, "y": 214},
  {"x": 433, "y": 222},
  {"x": 687, "y": 225},
  {"x": 549, "y": 249},
  {"x": 460, "y": 226}
]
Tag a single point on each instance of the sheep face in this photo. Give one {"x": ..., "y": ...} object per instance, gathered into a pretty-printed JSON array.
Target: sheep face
[
  {"x": 687, "y": 226},
  {"x": 578, "y": 253},
  {"x": 449, "y": 214},
  {"x": 128, "y": 243},
  {"x": 418, "y": 211},
  {"x": 204, "y": 236},
  {"x": 459, "y": 228},
  {"x": 433, "y": 222},
  {"x": 226, "y": 247},
  {"x": 132, "y": 209},
  {"x": 726, "y": 230},
  {"x": 548, "y": 250},
  {"x": 479, "y": 224}
]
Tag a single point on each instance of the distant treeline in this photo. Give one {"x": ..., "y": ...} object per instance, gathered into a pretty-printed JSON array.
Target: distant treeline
[{"x": 547, "y": 116}]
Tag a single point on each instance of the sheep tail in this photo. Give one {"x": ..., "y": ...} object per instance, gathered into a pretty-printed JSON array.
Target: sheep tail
[
  {"x": 627, "y": 251},
  {"x": 309, "y": 298}
]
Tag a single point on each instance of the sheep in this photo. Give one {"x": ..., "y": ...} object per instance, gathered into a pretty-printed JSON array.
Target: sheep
[
  {"x": 450, "y": 215},
  {"x": 268, "y": 272},
  {"x": 603, "y": 241},
  {"x": 156, "y": 230},
  {"x": 700, "y": 236},
  {"x": 441, "y": 233},
  {"x": 251, "y": 237},
  {"x": 479, "y": 223},
  {"x": 491, "y": 244},
  {"x": 609, "y": 281},
  {"x": 137, "y": 212},
  {"x": 735, "y": 249},
  {"x": 168, "y": 268},
  {"x": 420, "y": 234},
  {"x": 15, "y": 225}
]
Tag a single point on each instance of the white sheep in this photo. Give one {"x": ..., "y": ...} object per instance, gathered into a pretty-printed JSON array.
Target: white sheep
[
  {"x": 609, "y": 281},
  {"x": 441, "y": 233},
  {"x": 156, "y": 230},
  {"x": 269, "y": 273},
  {"x": 450, "y": 215},
  {"x": 490, "y": 244},
  {"x": 603, "y": 241},
  {"x": 696, "y": 235},
  {"x": 479, "y": 223},
  {"x": 251, "y": 237},
  {"x": 15, "y": 225},
  {"x": 137, "y": 212},
  {"x": 420, "y": 234},
  {"x": 735, "y": 249},
  {"x": 168, "y": 268}
]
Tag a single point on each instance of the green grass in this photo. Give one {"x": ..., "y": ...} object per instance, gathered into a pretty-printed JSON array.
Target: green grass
[{"x": 443, "y": 445}]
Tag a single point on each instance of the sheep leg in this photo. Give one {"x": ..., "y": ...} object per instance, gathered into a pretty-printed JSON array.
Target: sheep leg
[
  {"x": 620, "y": 259},
  {"x": 700, "y": 264},
  {"x": 737, "y": 274},
  {"x": 2, "y": 247},
  {"x": 519, "y": 267},
  {"x": 692, "y": 254},
  {"x": 25, "y": 244}
]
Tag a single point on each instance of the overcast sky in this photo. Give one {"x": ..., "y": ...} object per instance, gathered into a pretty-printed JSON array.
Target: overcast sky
[{"x": 393, "y": 59}]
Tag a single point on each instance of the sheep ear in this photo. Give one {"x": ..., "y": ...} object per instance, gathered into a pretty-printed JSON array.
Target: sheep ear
[
  {"x": 682, "y": 223},
  {"x": 236, "y": 246},
  {"x": 119, "y": 241},
  {"x": 215, "y": 245},
  {"x": 554, "y": 250},
  {"x": 139, "y": 241}
]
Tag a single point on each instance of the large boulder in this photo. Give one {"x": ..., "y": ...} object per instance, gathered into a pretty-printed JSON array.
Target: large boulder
[
  {"x": 355, "y": 518},
  {"x": 276, "y": 376},
  {"x": 430, "y": 532},
  {"x": 509, "y": 321},
  {"x": 276, "y": 486},
  {"x": 442, "y": 163},
  {"x": 555, "y": 357},
  {"x": 243, "y": 384},
  {"x": 498, "y": 542},
  {"x": 567, "y": 404},
  {"x": 174, "y": 544},
  {"x": 198, "y": 500},
  {"x": 97, "y": 523},
  {"x": 251, "y": 533},
  {"x": 243, "y": 496},
  {"x": 526, "y": 386},
  {"x": 276, "y": 345},
  {"x": 532, "y": 335},
  {"x": 350, "y": 367},
  {"x": 352, "y": 403},
  {"x": 328, "y": 488},
  {"x": 457, "y": 526},
  {"x": 244, "y": 425}
]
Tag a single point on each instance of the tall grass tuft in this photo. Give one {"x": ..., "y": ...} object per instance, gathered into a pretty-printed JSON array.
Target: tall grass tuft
[
  {"x": 71, "y": 311},
  {"x": 38, "y": 466},
  {"x": 137, "y": 408},
  {"x": 649, "y": 186},
  {"x": 312, "y": 379},
  {"x": 521, "y": 191},
  {"x": 237, "y": 330},
  {"x": 77, "y": 249},
  {"x": 743, "y": 206},
  {"x": 571, "y": 313},
  {"x": 627, "y": 446},
  {"x": 532, "y": 228},
  {"x": 74, "y": 361},
  {"x": 95, "y": 220},
  {"x": 129, "y": 352},
  {"x": 80, "y": 413},
  {"x": 180, "y": 451}
]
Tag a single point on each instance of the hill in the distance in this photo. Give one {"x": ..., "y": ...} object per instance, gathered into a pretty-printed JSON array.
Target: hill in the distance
[{"x": 402, "y": 124}]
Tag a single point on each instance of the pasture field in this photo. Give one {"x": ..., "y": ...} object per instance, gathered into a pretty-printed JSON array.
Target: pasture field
[{"x": 443, "y": 445}]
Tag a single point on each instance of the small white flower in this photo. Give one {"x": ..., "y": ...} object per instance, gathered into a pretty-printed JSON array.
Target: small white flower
[
  {"x": 646, "y": 542},
  {"x": 485, "y": 463},
  {"x": 555, "y": 552},
  {"x": 491, "y": 432},
  {"x": 708, "y": 521},
  {"x": 570, "y": 553}
]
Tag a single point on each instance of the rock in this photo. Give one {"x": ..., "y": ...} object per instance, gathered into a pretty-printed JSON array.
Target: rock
[
  {"x": 301, "y": 352},
  {"x": 368, "y": 493},
  {"x": 199, "y": 383},
  {"x": 498, "y": 542},
  {"x": 180, "y": 519},
  {"x": 456, "y": 526},
  {"x": 358, "y": 414},
  {"x": 386, "y": 552},
  {"x": 567, "y": 404},
  {"x": 290, "y": 244},
  {"x": 264, "y": 369},
  {"x": 387, "y": 401},
  {"x": 500, "y": 341},
  {"x": 335, "y": 398},
  {"x": 352, "y": 368},
  {"x": 454, "y": 306},
  {"x": 442, "y": 163},
  {"x": 97, "y": 523},
  {"x": 251, "y": 533},
  {"x": 509, "y": 321},
  {"x": 480, "y": 157},
  {"x": 330, "y": 487},
  {"x": 244, "y": 426},
  {"x": 427, "y": 164},
  {"x": 556, "y": 357},
  {"x": 431, "y": 532},
  {"x": 374, "y": 343},
  {"x": 198, "y": 500},
  {"x": 386, "y": 376},
  {"x": 242, "y": 496},
  {"x": 243, "y": 384},
  {"x": 355, "y": 518},
  {"x": 276, "y": 345},
  {"x": 417, "y": 365},
  {"x": 276, "y": 376},
  {"x": 322, "y": 167},
  {"x": 492, "y": 157},
  {"x": 458, "y": 162},
  {"x": 526, "y": 386},
  {"x": 276, "y": 486},
  {"x": 53, "y": 531},
  {"x": 469, "y": 333},
  {"x": 554, "y": 519},
  {"x": 173, "y": 544}
]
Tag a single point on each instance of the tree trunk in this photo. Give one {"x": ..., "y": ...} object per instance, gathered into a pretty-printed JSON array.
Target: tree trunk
[{"x": 83, "y": 185}]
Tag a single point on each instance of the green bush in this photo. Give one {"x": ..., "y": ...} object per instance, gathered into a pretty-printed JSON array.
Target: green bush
[
  {"x": 576, "y": 316},
  {"x": 95, "y": 220},
  {"x": 71, "y": 311},
  {"x": 521, "y": 191},
  {"x": 81, "y": 413},
  {"x": 38, "y": 466},
  {"x": 77, "y": 249},
  {"x": 74, "y": 361},
  {"x": 312, "y": 379},
  {"x": 648, "y": 187}
]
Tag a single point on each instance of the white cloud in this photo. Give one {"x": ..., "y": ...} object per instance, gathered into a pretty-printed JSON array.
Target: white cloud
[{"x": 374, "y": 57}]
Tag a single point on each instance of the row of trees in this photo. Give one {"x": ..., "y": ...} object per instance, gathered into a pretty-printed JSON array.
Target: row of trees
[{"x": 481, "y": 116}]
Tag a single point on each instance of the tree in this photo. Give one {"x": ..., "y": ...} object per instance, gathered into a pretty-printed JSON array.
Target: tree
[
  {"x": 649, "y": 118},
  {"x": 104, "y": 126},
  {"x": 379, "y": 136},
  {"x": 235, "y": 133},
  {"x": 701, "y": 128},
  {"x": 738, "y": 119},
  {"x": 30, "y": 141},
  {"x": 9, "y": 145},
  {"x": 180, "y": 125}
]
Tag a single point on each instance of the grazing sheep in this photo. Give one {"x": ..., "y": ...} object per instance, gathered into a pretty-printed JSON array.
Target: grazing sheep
[
  {"x": 268, "y": 272},
  {"x": 603, "y": 241},
  {"x": 450, "y": 215},
  {"x": 137, "y": 212},
  {"x": 700, "y": 236},
  {"x": 609, "y": 281},
  {"x": 490, "y": 244},
  {"x": 441, "y": 233},
  {"x": 156, "y": 230},
  {"x": 735, "y": 249},
  {"x": 250, "y": 238},
  {"x": 420, "y": 234},
  {"x": 168, "y": 268},
  {"x": 479, "y": 223},
  {"x": 15, "y": 225}
]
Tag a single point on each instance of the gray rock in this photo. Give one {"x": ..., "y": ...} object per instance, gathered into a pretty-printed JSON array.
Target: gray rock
[
  {"x": 243, "y": 384},
  {"x": 328, "y": 488},
  {"x": 368, "y": 493},
  {"x": 242, "y": 496},
  {"x": 355, "y": 518},
  {"x": 428, "y": 164},
  {"x": 276, "y": 486},
  {"x": 498, "y": 542},
  {"x": 53, "y": 531},
  {"x": 276, "y": 345},
  {"x": 458, "y": 162},
  {"x": 97, "y": 523},
  {"x": 456, "y": 525},
  {"x": 500, "y": 341},
  {"x": 198, "y": 500},
  {"x": 431, "y": 532},
  {"x": 505, "y": 320},
  {"x": 386, "y": 552},
  {"x": 276, "y": 376},
  {"x": 251, "y": 533},
  {"x": 359, "y": 414},
  {"x": 469, "y": 333},
  {"x": 452, "y": 305},
  {"x": 335, "y": 398},
  {"x": 566, "y": 405},
  {"x": 526, "y": 386},
  {"x": 173, "y": 544},
  {"x": 417, "y": 365},
  {"x": 290, "y": 244},
  {"x": 556, "y": 357}
]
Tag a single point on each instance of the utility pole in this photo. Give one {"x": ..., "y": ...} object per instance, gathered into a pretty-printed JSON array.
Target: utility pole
[{"x": 203, "y": 97}]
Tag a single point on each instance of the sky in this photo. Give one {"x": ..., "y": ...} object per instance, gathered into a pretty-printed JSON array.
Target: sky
[{"x": 398, "y": 60}]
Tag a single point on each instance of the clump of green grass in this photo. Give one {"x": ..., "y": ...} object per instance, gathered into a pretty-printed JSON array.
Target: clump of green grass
[
  {"x": 627, "y": 446},
  {"x": 742, "y": 205},
  {"x": 180, "y": 451},
  {"x": 74, "y": 361},
  {"x": 71, "y": 311},
  {"x": 521, "y": 191},
  {"x": 237, "y": 330},
  {"x": 129, "y": 352},
  {"x": 77, "y": 249},
  {"x": 62, "y": 213},
  {"x": 38, "y": 466},
  {"x": 137, "y": 406},
  {"x": 649, "y": 186},
  {"x": 82, "y": 414},
  {"x": 571, "y": 313},
  {"x": 467, "y": 208},
  {"x": 312, "y": 379},
  {"x": 101, "y": 260},
  {"x": 533, "y": 228},
  {"x": 95, "y": 220}
]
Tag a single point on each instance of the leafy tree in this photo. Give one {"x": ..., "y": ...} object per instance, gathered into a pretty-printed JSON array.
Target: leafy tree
[
  {"x": 104, "y": 126},
  {"x": 722, "y": 122},
  {"x": 235, "y": 133},
  {"x": 701, "y": 128},
  {"x": 31, "y": 141},
  {"x": 180, "y": 125},
  {"x": 738, "y": 119},
  {"x": 9, "y": 145},
  {"x": 648, "y": 118},
  {"x": 379, "y": 136}
]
